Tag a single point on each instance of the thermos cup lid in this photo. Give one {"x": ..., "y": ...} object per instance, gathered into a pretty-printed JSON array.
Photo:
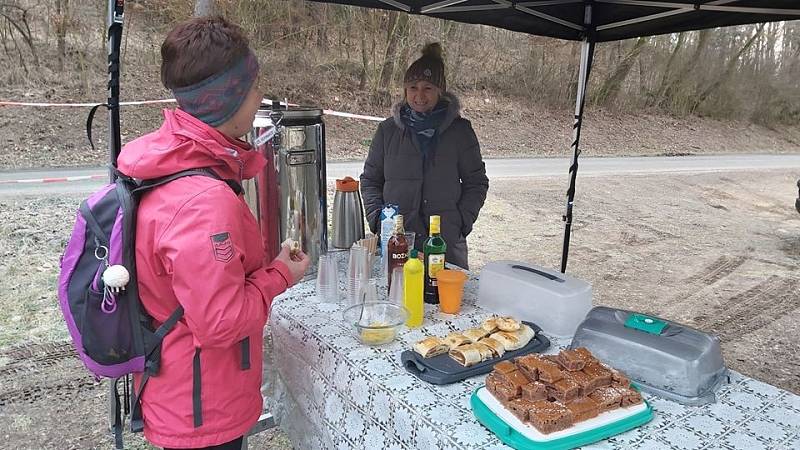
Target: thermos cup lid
[{"x": 347, "y": 184}]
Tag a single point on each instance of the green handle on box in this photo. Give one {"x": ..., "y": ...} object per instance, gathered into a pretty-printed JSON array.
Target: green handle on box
[{"x": 645, "y": 323}]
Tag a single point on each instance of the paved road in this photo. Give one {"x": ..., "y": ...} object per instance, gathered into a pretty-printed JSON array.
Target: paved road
[{"x": 496, "y": 168}]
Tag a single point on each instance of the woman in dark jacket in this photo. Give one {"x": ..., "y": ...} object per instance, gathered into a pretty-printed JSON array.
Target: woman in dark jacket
[{"x": 426, "y": 159}]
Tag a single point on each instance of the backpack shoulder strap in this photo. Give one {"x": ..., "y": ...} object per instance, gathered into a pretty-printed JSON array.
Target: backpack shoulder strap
[{"x": 150, "y": 184}]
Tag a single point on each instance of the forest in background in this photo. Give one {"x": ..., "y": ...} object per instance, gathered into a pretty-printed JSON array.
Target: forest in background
[{"x": 315, "y": 52}]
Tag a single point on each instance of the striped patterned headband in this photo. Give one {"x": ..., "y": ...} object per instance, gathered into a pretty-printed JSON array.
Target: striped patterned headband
[{"x": 217, "y": 98}]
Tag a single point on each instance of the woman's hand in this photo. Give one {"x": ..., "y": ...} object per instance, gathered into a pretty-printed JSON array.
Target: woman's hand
[{"x": 296, "y": 261}]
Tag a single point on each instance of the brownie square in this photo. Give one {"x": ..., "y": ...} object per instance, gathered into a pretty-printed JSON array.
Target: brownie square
[
  {"x": 552, "y": 358},
  {"x": 564, "y": 390},
  {"x": 619, "y": 379},
  {"x": 528, "y": 364},
  {"x": 515, "y": 379},
  {"x": 492, "y": 381},
  {"x": 571, "y": 360},
  {"x": 534, "y": 391},
  {"x": 520, "y": 407},
  {"x": 598, "y": 375},
  {"x": 607, "y": 397},
  {"x": 549, "y": 372},
  {"x": 504, "y": 393},
  {"x": 504, "y": 367},
  {"x": 548, "y": 417},
  {"x": 583, "y": 408},
  {"x": 630, "y": 397},
  {"x": 582, "y": 380},
  {"x": 501, "y": 388},
  {"x": 585, "y": 355}
]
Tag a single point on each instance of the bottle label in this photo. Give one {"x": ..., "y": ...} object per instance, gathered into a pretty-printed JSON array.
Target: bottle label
[
  {"x": 402, "y": 256},
  {"x": 435, "y": 225},
  {"x": 435, "y": 264}
]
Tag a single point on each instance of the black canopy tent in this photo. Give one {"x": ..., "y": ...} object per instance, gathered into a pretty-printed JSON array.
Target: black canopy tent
[
  {"x": 588, "y": 21},
  {"x": 592, "y": 21}
]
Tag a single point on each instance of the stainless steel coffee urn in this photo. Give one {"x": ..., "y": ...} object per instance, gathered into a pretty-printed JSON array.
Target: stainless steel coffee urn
[{"x": 289, "y": 196}]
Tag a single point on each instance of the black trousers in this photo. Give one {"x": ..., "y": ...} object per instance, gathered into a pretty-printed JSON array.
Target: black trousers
[{"x": 235, "y": 444}]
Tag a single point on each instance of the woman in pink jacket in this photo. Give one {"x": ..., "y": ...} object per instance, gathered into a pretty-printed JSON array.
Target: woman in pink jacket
[{"x": 198, "y": 245}]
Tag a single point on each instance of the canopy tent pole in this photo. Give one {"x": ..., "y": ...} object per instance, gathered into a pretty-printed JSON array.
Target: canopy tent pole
[
  {"x": 115, "y": 17},
  {"x": 587, "y": 53}
]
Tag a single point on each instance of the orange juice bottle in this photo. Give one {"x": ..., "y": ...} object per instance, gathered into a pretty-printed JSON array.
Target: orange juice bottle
[{"x": 413, "y": 286}]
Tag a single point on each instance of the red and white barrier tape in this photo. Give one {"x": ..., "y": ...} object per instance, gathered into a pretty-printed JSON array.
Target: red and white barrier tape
[
  {"x": 57, "y": 179},
  {"x": 81, "y": 105},
  {"x": 328, "y": 112},
  {"x": 353, "y": 116}
]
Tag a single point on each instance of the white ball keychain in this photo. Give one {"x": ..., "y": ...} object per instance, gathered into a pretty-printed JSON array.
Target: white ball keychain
[{"x": 116, "y": 277}]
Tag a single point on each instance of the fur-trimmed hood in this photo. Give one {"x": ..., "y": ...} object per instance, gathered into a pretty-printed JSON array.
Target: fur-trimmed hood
[{"x": 453, "y": 112}]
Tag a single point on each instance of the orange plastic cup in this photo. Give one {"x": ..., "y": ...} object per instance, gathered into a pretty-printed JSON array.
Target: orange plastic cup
[{"x": 451, "y": 290}]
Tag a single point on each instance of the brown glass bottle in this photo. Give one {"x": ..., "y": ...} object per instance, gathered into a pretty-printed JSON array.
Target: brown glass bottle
[{"x": 396, "y": 249}]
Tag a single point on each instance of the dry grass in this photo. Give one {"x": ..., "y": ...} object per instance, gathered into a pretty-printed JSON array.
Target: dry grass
[{"x": 33, "y": 233}]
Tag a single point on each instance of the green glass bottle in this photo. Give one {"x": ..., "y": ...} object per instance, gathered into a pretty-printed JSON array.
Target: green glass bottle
[{"x": 435, "y": 248}]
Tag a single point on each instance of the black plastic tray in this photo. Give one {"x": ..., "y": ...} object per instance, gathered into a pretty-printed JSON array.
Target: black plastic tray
[{"x": 443, "y": 369}]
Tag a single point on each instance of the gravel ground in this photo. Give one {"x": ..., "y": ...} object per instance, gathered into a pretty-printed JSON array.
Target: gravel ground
[{"x": 720, "y": 252}]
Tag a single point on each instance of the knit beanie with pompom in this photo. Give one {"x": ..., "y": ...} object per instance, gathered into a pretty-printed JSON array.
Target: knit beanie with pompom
[{"x": 429, "y": 67}]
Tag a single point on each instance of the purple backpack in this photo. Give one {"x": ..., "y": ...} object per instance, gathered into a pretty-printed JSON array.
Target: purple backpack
[{"x": 98, "y": 291}]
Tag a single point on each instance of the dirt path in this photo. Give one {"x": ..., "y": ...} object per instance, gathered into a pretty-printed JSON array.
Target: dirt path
[{"x": 720, "y": 252}]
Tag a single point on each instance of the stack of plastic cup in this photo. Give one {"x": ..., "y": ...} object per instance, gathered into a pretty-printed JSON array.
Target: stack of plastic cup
[
  {"x": 358, "y": 273},
  {"x": 328, "y": 279}
]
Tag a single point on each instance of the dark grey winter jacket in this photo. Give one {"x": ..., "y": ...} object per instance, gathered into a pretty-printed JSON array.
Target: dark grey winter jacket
[{"x": 453, "y": 183}]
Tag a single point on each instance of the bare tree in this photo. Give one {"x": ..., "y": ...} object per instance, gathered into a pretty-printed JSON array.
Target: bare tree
[
  {"x": 667, "y": 77},
  {"x": 15, "y": 21},
  {"x": 670, "y": 90},
  {"x": 729, "y": 68},
  {"x": 204, "y": 8},
  {"x": 611, "y": 86},
  {"x": 396, "y": 35}
]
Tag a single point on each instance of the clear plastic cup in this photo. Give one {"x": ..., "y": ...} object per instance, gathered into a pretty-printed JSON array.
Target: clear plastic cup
[
  {"x": 396, "y": 292},
  {"x": 369, "y": 292},
  {"x": 410, "y": 238}
]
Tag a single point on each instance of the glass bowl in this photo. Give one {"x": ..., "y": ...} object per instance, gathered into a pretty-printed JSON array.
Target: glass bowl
[{"x": 375, "y": 323}]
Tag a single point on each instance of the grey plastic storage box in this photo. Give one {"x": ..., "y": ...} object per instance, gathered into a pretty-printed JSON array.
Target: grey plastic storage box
[
  {"x": 665, "y": 358},
  {"x": 555, "y": 301}
]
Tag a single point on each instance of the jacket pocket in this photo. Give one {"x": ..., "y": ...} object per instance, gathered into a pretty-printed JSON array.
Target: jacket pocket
[
  {"x": 244, "y": 345},
  {"x": 197, "y": 381}
]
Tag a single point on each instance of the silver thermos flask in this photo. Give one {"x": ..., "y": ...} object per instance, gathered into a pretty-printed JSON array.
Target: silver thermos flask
[{"x": 348, "y": 214}]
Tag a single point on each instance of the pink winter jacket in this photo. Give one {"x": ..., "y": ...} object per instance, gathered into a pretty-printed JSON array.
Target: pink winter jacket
[{"x": 198, "y": 246}]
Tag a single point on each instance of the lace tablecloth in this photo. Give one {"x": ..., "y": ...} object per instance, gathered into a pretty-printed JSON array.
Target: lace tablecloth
[{"x": 329, "y": 391}]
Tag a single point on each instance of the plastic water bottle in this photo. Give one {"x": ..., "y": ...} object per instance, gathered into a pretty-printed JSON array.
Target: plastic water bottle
[{"x": 413, "y": 285}]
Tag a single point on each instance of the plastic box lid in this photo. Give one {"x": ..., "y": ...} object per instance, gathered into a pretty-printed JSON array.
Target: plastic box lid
[
  {"x": 665, "y": 358},
  {"x": 555, "y": 301}
]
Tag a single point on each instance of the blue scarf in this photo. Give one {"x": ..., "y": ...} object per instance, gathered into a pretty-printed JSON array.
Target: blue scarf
[{"x": 425, "y": 125}]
